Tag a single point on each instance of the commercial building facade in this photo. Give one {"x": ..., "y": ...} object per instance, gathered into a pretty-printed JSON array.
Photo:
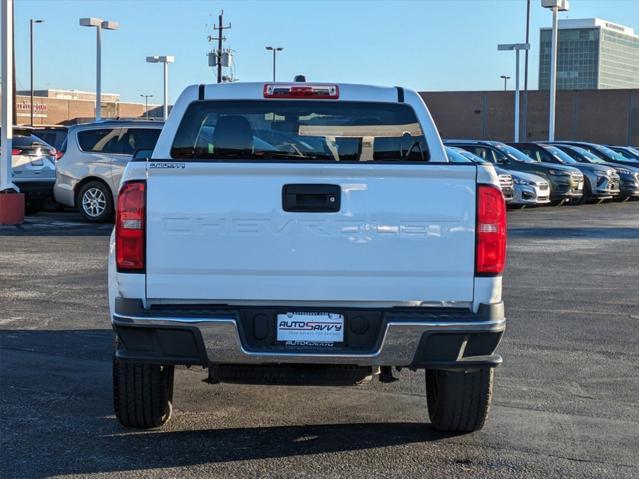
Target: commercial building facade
[
  {"x": 56, "y": 107},
  {"x": 592, "y": 54},
  {"x": 605, "y": 116}
]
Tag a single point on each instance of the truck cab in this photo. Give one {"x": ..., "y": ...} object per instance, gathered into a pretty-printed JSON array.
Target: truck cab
[{"x": 282, "y": 226}]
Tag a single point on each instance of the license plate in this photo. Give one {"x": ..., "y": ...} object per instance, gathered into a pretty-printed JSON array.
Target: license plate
[{"x": 310, "y": 327}]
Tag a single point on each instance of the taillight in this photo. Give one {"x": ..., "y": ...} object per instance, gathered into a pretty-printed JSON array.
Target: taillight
[
  {"x": 130, "y": 227},
  {"x": 295, "y": 90},
  {"x": 58, "y": 154},
  {"x": 16, "y": 151},
  {"x": 490, "y": 255}
]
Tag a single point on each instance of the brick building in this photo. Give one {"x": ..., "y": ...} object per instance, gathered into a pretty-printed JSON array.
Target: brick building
[
  {"x": 602, "y": 116},
  {"x": 605, "y": 116},
  {"x": 54, "y": 107}
]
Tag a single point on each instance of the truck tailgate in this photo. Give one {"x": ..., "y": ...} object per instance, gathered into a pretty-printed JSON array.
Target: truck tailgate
[{"x": 218, "y": 232}]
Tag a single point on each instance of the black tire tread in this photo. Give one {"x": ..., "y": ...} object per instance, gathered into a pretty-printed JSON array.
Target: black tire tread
[
  {"x": 459, "y": 401},
  {"x": 142, "y": 393}
]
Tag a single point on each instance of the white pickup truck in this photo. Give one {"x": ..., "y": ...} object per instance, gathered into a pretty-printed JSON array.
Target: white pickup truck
[{"x": 283, "y": 228}]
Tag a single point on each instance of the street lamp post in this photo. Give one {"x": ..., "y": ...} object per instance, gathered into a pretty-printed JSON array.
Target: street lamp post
[
  {"x": 275, "y": 50},
  {"x": 505, "y": 78},
  {"x": 32, "y": 21},
  {"x": 99, "y": 25},
  {"x": 166, "y": 59},
  {"x": 146, "y": 104},
  {"x": 6, "y": 32},
  {"x": 517, "y": 47},
  {"x": 556, "y": 6}
]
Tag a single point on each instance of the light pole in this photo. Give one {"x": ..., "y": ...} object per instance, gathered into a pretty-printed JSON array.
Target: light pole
[
  {"x": 165, "y": 60},
  {"x": 517, "y": 47},
  {"x": 31, "y": 22},
  {"x": 99, "y": 25},
  {"x": 505, "y": 78},
  {"x": 556, "y": 6},
  {"x": 6, "y": 183},
  {"x": 275, "y": 50},
  {"x": 146, "y": 104}
]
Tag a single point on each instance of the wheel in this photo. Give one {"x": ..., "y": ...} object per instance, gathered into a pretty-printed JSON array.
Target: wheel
[
  {"x": 459, "y": 401},
  {"x": 142, "y": 393},
  {"x": 95, "y": 202},
  {"x": 31, "y": 207}
]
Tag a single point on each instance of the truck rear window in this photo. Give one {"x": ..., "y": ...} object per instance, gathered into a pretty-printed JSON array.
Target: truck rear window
[{"x": 299, "y": 130}]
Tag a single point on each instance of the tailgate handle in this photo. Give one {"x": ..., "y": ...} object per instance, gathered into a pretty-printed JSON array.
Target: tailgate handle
[{"x": 311, "y": 198}]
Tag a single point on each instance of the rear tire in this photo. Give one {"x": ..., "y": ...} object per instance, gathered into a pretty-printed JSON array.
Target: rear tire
[
  {"x": 95, "y": 202},
  {"x": 142, "y": 393},
  {"x": 459, "y": 401}
]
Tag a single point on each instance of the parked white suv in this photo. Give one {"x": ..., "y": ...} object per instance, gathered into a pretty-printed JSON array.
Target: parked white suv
[
  {"x": 288, "y": 229},
  {"x": 93, "y": 159}
]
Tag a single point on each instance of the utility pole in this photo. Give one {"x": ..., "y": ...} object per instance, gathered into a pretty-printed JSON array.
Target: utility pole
[
  {"x": 524, "y": 118},
  {"x": 219, "y": 28}
]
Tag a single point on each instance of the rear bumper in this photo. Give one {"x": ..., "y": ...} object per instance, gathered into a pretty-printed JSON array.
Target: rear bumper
[
  {"x": 415, "y": 339},
  {"x": 64, "y": 190},
  {"x": 36, "y": 190}
]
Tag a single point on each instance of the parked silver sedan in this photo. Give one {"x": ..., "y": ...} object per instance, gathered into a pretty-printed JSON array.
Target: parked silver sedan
[{"x": 530, "y": 190}]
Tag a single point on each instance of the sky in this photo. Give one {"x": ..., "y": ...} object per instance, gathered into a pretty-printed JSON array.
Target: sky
[{"x": 427, "y": 45}]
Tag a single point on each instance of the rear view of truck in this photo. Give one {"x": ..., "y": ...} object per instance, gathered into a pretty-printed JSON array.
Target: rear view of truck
[{"x": 279, "y": 227}]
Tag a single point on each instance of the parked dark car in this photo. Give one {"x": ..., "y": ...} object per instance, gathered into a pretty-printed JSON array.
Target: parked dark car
[
  {"x": 53, "y": 135},
  {"x": 603, "y": 152},
  {"x": 566, "y": 182},
  {"x": 629, "y": 152},
  {"x": 528, "y": 189},
  {"x": 601, "y": 182},
  {"x": 628, "y": 176}
]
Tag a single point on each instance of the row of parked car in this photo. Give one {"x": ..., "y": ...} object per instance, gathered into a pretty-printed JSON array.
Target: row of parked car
[
  {"x": 78, "y": 167},
  {"x": 539, "y": 173},
  {"x": 81, "y": 167}
]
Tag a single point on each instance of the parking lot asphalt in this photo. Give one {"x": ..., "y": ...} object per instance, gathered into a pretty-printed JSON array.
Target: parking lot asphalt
[{"x": 566, "y": 401}]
